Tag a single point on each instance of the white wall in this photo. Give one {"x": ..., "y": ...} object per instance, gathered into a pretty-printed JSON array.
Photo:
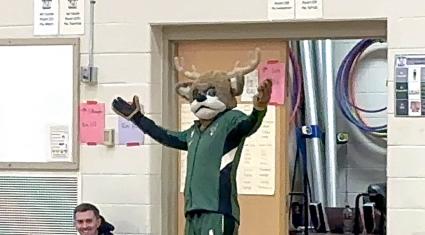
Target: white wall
[
  {"x": 123, "y": 182},
  {"x": 123, "y": 54}
]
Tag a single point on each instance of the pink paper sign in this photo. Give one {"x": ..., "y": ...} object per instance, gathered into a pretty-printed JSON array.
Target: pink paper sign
[
  {"x": 274, "y": 71},
  {"x": 92, "y": 123}
]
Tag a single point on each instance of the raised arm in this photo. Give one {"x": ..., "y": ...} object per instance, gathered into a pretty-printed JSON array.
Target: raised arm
[
  {"x": 247, "y": 125},
  {"x": 134, "y": 113}
]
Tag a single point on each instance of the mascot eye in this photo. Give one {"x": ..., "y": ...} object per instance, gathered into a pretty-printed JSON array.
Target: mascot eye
[
  {"x": 211, "y": 92},
  {"x": 194, "y": 92}
]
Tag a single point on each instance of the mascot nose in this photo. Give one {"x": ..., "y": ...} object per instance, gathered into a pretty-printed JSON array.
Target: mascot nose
[{"x": 200, "y": 98}]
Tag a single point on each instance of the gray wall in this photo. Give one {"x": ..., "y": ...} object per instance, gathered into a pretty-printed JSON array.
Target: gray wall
[{"x": 362, "y": 160}]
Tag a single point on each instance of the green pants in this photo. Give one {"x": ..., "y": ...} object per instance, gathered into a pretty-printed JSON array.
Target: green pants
[{"x": 208, "y": 223}]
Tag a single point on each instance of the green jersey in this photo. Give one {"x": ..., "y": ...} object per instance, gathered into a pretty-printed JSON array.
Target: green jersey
[{"x": 213, "y": 156}]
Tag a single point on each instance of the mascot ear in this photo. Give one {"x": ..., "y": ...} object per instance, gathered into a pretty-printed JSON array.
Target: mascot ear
[
  {"x": 184, "y": 89},
  {"x": 237, "y": 84}
]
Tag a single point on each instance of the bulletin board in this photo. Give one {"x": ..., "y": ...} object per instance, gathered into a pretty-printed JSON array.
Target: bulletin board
[
  {"x": 262, "y": 202},
  {"x": 39, "y": 95}
]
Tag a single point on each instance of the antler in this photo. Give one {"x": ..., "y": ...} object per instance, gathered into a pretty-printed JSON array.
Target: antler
[
  {"x": 191, "y": 75},
  {"x": 247, "y": 69}
]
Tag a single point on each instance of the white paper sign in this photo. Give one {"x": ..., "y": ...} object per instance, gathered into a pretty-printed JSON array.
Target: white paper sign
[
  {"x": 256, "y": 172},
  {"x": 46, "y": 18},
  {"x": 281, "y": 9},
  {"x": 59, "y": 143},
  {"x": 250, "y": 87},
  {"x": 308, "y": 9},
  {"x": 71, "y": 17},
  {"x": 409, "y": 92}
]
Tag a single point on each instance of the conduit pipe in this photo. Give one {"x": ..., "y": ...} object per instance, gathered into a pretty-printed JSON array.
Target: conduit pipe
[
  {"x": 325, "y": 79},
  {"x": 314, "y": 148}
]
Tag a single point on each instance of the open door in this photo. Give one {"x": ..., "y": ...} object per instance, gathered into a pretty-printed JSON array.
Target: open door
[{"x": 261, "y": 213}]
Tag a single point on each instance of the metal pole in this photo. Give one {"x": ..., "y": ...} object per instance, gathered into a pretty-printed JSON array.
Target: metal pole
[
  {"x": 89, "y": 74},
  {"x": 314, "y": 147},
  {"x": 91, "y": 38},
  {"x": 326, "y": 84}
]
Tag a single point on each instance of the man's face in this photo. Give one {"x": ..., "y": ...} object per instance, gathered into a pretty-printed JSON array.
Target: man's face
[{"x": 86, "y": 223}]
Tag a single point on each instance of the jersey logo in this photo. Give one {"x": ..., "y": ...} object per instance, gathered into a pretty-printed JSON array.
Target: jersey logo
[{"x": 213, "y": 129}]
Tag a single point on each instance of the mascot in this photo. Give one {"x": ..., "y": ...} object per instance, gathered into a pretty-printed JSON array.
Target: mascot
[{"x": 214, "y": 143}]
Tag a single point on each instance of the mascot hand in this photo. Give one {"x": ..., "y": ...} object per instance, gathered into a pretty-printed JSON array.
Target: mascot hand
[
  {"x": 261, "y": 100},
  {"x": 125, "y": 109}
]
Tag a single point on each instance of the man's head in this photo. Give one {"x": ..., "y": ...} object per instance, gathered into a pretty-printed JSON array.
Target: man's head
[{"x": 87, "y": 219}]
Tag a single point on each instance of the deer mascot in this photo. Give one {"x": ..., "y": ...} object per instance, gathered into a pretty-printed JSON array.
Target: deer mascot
[{"x": 214, "y": 143}]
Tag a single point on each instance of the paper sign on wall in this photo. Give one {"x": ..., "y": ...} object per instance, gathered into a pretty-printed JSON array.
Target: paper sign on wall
[
  {"x": 128, "y": 133},
  {"x": 71, "y": 17},
  {"x": 409, "y": 85},
  {"x": 281, "y": 9},
  {"x": 46, "y": 19},
  {"x": 92, "y": 123},
  {"x": 257, "y": 168},
  {"x": 275, "y": 71},
  {"x": 250, "y": 87},
  {"x": 308, "y": 9},
  {"x": 59, "y": 143}
]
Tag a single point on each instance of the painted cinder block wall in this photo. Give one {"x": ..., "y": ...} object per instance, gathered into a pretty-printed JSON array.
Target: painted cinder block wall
[{"x": 124, "y": 51}]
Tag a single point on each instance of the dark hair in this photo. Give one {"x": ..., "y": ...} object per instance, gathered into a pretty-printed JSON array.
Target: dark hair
[{"x": 83, "y": 207}]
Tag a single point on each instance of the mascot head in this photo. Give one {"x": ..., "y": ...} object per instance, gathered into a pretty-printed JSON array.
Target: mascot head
[{"x": 213, "y": 92}]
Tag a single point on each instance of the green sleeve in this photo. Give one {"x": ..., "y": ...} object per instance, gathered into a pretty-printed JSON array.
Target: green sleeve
[
  {"x": 246, "y": 125},
  {"x": 173, "y": 139}
]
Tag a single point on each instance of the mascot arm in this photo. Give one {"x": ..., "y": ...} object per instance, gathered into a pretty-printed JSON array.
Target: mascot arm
[
  {"x": 247, "y": 125},
  {"x": 133, "y": 112},
  {"x": 169, "y": 138}
]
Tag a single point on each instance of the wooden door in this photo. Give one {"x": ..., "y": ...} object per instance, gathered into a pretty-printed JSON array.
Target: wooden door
[{"x": 260, "y": 214}]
